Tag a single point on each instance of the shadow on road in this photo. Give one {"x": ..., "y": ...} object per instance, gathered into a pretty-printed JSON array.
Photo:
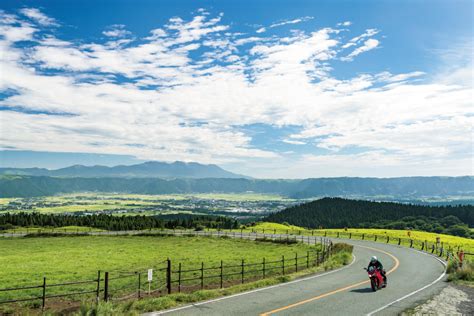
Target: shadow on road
[{"x": 364, "y": 290}]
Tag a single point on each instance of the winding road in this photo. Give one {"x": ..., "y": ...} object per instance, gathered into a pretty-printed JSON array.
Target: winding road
[{"x": 413, "y": 277}]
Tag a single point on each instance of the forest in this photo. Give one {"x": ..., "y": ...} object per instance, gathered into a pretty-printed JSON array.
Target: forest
[
  {"x": 110, "y": 222},
  {"x": 340, "y": 213}
]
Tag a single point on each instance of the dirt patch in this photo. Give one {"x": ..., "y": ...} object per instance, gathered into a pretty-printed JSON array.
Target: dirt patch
[{"x": 452, "y": 300}]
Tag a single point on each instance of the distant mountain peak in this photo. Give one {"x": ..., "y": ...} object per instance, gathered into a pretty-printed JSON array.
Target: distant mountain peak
[{"x": 148, "y": 169}]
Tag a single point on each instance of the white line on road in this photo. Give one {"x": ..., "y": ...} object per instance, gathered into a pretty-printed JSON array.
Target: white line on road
[
  {"x": 253, "y": 291},
  {"x": 414, "y": 292}
]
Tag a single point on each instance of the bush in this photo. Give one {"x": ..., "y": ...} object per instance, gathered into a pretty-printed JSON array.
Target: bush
[
  {"x": 199, "y": 228},
  {"x": 458, "y": 230},
  {"x": 342, "y": 247},
  {"x": 466, "y": 273}
]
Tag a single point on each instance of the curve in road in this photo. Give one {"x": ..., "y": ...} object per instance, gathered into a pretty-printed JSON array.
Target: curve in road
[{"x": 414, "y": 276}]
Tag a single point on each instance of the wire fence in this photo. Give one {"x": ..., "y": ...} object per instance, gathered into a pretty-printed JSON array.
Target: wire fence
[{"x": 170, "y": 276}]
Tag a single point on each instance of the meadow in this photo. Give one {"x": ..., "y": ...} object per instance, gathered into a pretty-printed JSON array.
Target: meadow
[
  {"x": 25, "y": 261},
  {"x": 466, "y": 244}
]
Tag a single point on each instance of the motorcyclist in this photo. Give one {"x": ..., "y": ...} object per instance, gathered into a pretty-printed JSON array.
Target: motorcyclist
[{"x": 374, "y": 262}]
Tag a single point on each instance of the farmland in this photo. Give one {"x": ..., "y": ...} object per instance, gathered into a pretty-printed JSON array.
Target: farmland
[{"x": 242, "y": 206}]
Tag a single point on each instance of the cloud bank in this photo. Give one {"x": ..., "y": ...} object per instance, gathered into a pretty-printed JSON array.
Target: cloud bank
[{"x": 186, "y": 90}]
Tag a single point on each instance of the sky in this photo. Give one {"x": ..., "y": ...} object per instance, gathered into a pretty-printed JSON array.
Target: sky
[{"x": 270, "y": 89}]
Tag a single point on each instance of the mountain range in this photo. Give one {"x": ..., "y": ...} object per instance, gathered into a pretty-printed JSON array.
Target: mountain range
[
  {"x": 407, "y": 189},
  {"x": 151, "y": 169}
]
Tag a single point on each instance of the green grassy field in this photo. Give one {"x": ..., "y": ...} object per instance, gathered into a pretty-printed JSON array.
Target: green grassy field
[
  {"x": 418, "y": 236},
  {"x": 25, "y": 261}
]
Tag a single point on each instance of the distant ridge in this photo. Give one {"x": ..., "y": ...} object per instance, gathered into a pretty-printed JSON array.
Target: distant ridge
[
  {"x": 150, "y": 169},
  {"x": 416, "y": 189}
]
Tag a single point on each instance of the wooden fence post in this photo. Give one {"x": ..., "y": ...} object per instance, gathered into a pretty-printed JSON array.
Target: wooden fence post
[
  {"x": 97, "y": 290},
  {"x": 222, "y": 273},
  {"x": 411, "y": 243},
  {"x": 202, "y": 275},
  {"x": 337, "y": 234},
  {"x": 375, "y": 238},
  {"x": 179, "y": 277},
  {"x": 168, "y": 275},
  {"x": 399, "y": 241},
  {"x": 388, "y": 239},
  {"x": 283, "y": 264},
  {"x": 307, "y": 259},
  {"x": 106, "y": 287},
  {"x": 296, "y": 261},
  {"x": 139, "y": 284},
  {"x": 363, "y": 236},
  {"x": 350, "y": 235},
  {"x": 263, "y": 268},
  {"x": 44, "y": 294},
  {"x": 243, "y": 270}
]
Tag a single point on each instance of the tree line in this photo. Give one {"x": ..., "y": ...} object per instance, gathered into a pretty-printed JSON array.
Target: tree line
[
  {"x": 110, "y": 222},
  {"x": 340, "y": 213}
]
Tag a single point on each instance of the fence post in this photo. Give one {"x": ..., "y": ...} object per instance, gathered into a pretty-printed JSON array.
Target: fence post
[
  {"x": 243, "y": 269},
  {"x": 337, "y": 234},
  {"x": 350, "y": 235},
  {"x": 139, "y": 284},
  {"x": 296, "y": 262},
  {"x": 168, "y": 275},
  {"x": 388, "y": 239},
  {"x": 222, "y": 273},
  {"x": 317, "y": 257},
  {"x": 363, "y": 236},
  {"x": 97, "y": 291},
  {"x": 307, "y": 259},
  {"x": 325, "y": 233},
  {"x": 283, "y": 264},
  {"x": 106, "y": 287},
  {"x": 422, "y": 245},
  {"x": 411, "y": 243},
  {"x": 263, "y": 268},
  {"x": 202, "y": 275},
  {"x": 375, "y": 238},
  {"x": 44, "y": 293},
  {"x": 179, "y": 278},
  {"x": 399, "y": 241}
]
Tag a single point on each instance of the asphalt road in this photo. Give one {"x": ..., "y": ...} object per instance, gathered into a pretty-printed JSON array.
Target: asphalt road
[{"x": 414, "y": 277}]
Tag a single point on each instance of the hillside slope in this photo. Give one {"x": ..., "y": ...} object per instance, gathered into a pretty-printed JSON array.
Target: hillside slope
[
  {"x": 405, "y": 189},
  {"x": 338, "y": 213}
]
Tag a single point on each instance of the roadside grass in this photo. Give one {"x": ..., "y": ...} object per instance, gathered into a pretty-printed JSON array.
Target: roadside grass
[
  {"x": 458, "y": 275},
  {"x": 418, "y": 236},
  {"x": 25, "y": 261},
  {"x": 342, "y": 257}
]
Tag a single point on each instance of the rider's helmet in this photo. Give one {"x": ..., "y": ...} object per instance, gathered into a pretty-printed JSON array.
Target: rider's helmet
[{"x": 373, "y": 259}]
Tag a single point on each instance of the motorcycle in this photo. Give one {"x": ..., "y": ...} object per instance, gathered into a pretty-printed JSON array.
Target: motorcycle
[{"x": 376, "y": 279}]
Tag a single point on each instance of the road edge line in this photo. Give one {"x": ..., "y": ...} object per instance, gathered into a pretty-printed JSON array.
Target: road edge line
[
  {"x": 252, "y": 291},
  {"x": 416, "y": 291}
]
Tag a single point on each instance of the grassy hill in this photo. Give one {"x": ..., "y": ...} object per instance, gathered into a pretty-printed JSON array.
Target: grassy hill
[{"x": 340, "y": 213}]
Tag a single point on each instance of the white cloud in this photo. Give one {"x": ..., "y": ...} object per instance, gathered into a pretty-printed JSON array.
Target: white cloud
[
  {"x": 285, "y": 22},
  {"x": 117, "y": 30},
  {"x": 185, "y": 92},
  {"x": 39, "y": 17},
  {"x": 346, "y": 23},
  {"x": 369, "y": 44}
]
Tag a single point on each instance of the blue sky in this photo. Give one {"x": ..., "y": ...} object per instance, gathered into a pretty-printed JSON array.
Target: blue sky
[{"x": 285, "y": 89}]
